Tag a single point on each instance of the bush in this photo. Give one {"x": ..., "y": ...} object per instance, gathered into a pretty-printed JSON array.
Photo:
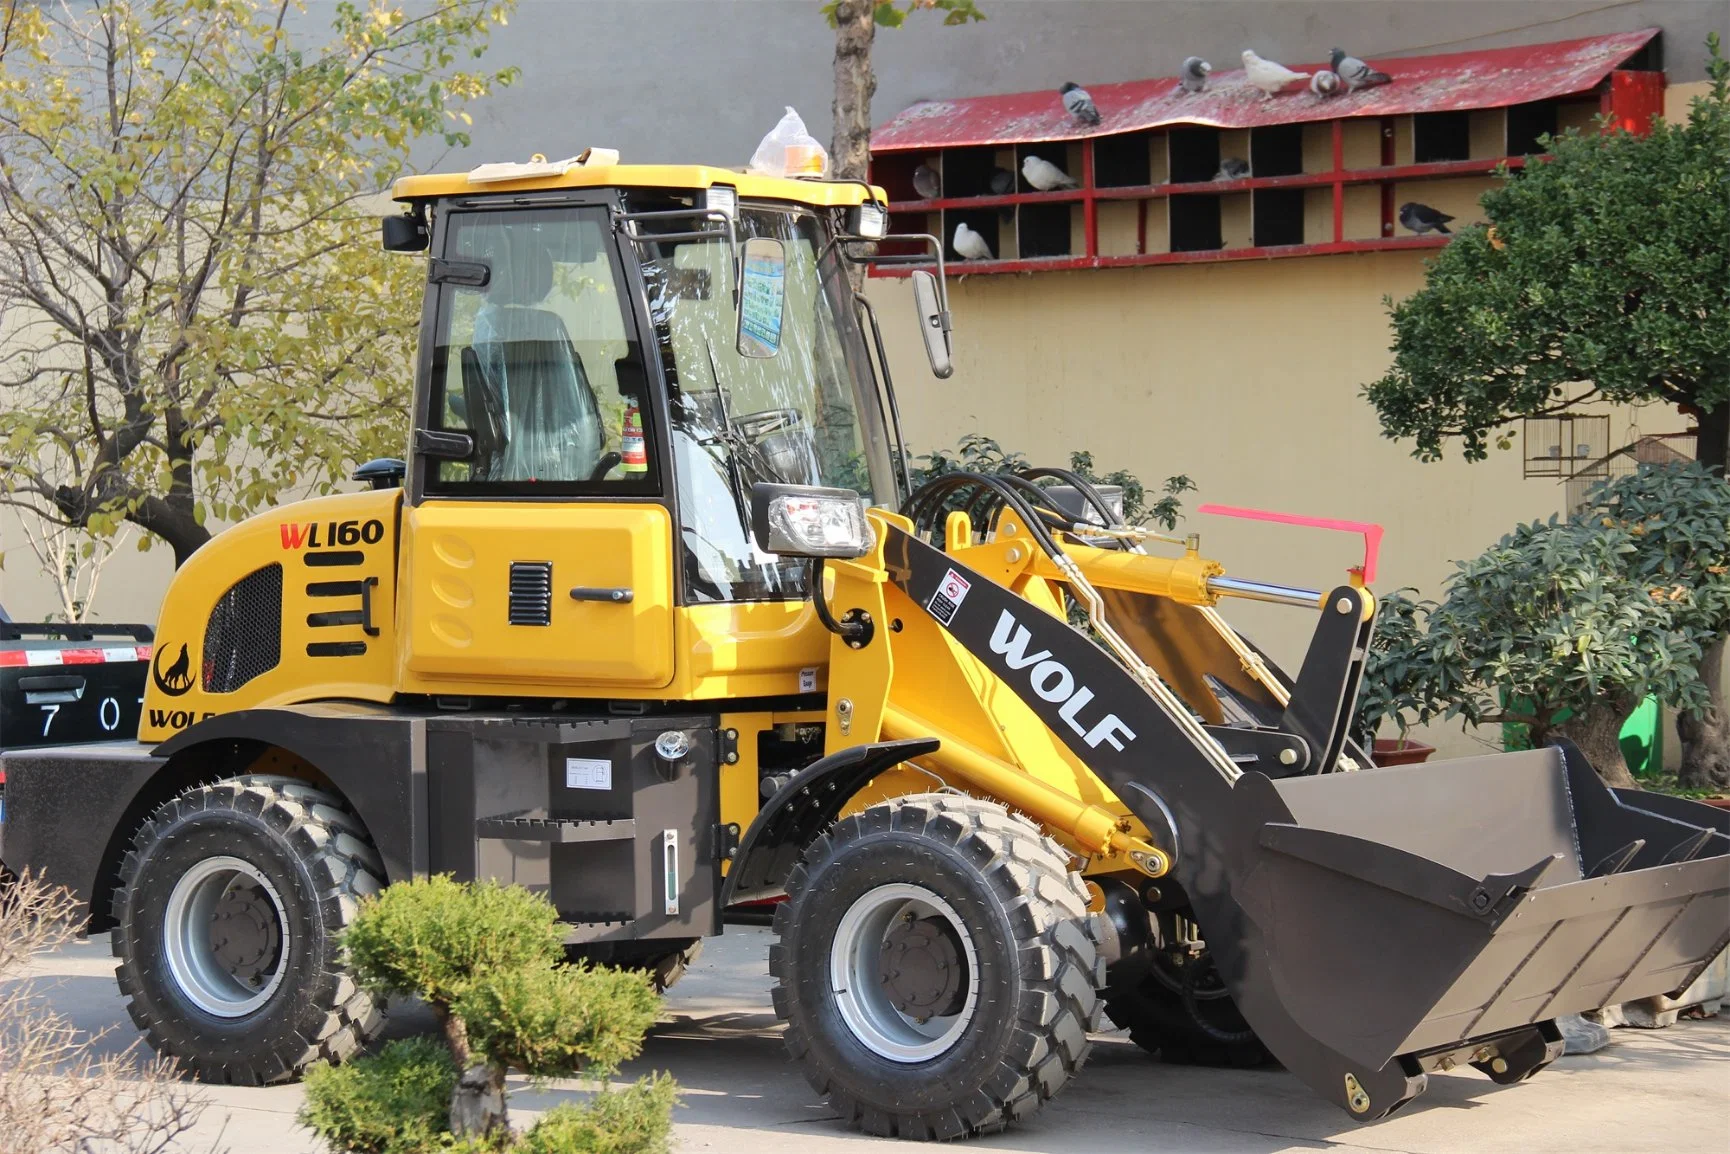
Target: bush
[
  {"x": 635, "y": 1120},
  {"x": 394, "y": 1102},
  {"x": 431, "y": 937},
  {"x": 561, "y": 1022}
]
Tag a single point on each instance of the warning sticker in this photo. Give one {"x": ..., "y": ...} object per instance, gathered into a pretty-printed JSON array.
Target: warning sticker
[
  {"x": 588, "y": 773},
  {"x": 951, "y": 592}
]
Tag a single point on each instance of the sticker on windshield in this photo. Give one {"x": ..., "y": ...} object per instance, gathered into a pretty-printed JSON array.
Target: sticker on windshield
[
  {"x": 951, "y": 592},
  {"x": 762, "y": 297}
]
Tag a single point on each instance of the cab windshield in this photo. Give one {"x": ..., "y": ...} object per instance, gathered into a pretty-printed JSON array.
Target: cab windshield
[{"x": 810, "y": 415}]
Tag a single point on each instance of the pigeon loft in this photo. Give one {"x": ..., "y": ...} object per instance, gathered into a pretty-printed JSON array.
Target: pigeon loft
[{"x": 1325, "y": 175}]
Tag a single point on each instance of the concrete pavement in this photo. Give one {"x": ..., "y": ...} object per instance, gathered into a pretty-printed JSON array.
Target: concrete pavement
[{"x": 1665, "y": 1090}]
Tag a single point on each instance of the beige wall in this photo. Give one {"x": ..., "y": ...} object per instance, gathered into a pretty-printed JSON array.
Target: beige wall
[{"x": 1243, "y": 375}]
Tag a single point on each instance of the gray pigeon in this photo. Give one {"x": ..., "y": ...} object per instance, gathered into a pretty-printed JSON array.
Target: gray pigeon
[
  {"x": 1002, "y": 182},
  {"x": 1232, "y": 168},
  {"x": 1325, "y": 84},
  {"x": 1079, "y": 103},
  {"x": 1421, "y": 218},
  {"x": 1356, "y": 73},
  {"x": 1194, "y": 74},
  {"x": 969, "y": 245},
  {"x": 926, "y": 183}
]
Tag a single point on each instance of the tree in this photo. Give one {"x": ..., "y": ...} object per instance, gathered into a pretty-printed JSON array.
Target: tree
[
  {"x": 485, "y": 958},
  {"x": 977, "y": 453},
  {"x": 199, "y": 314},
  {"x": 855, "y": 23},
  {"x": 1678, "y": 519},
  {"x": 1604, "y": 276},
  {"x": 1563, "y": 626}
]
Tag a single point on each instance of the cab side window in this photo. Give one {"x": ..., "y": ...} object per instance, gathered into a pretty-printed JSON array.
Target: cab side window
[{"x": 529, "y": 364}]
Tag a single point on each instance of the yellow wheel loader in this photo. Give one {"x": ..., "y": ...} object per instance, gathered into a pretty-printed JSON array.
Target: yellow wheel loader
[{"x": 650, "y": 621}]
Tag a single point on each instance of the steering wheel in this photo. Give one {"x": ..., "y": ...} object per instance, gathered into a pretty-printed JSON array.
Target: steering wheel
[{"x": 756, "y": 426}]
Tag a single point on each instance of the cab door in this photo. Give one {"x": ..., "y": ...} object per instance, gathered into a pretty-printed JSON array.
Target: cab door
[{"x": 537, "y": 540}]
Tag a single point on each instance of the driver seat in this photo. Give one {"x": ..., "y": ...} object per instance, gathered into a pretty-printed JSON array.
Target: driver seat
[{"x": 552, "y": 423}]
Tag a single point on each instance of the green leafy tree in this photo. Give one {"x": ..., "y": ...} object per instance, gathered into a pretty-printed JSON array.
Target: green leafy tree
[
  {"x": 486, "y": 958},
  {"x": 1603, "y": 276},
  {"x": 198, "y": 314},
  {"x": 1677, "y": 518},
  {"x": 855, "y": 23},
  {"x": 1563, "y": 626}
]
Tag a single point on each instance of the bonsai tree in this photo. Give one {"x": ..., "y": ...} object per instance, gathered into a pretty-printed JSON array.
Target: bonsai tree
[
  {"x": 487, "y": 959},
  {"x": 1677, "y": 522},
  {"x": 1546, "y": 629},
  {"x": 1603, "y": 275}
]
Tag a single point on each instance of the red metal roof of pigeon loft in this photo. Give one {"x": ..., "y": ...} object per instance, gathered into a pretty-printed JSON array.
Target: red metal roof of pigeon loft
[{"x": 1456, "y": 81}]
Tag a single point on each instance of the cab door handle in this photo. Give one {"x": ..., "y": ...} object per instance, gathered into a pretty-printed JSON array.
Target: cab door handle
[{"x": 615, "y": 596}]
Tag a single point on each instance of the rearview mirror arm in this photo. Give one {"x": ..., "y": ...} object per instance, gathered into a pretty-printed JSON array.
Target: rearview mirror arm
[{"x": 887, "y": 389}]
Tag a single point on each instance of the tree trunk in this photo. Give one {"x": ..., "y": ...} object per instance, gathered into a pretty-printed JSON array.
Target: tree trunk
[
  {"x": 478, "y": 1103},
  {"x": 855, "y": 84},
  {"x": 1597, "y": 733},
  {"x": 1706, "y": 735},
  {"x": 1713, "y": 444},
  {"x": 456, "y": 1035}
]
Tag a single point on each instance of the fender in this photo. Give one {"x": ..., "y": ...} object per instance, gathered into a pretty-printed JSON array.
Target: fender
[
  {"x": 804, "y": 808},
  {"x": 372, "y": 754}
]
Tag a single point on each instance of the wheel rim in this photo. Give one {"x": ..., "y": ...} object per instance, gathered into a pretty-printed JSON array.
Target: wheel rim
[
  {"x": 225, "y": 937},
  {"x": 904, "y": 972}
]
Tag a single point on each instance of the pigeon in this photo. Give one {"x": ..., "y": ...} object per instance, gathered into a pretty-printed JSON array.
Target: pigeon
[
  {"x": 1421, "y": 218},
  {"x": 1268, "y": 75},
  {"x": 1232, "y": 168},
  {"x": 1326, "y": 83},
  {"x": 1044, "y": 175},
  {"x": 1002, "y": 182},
  {"x": 1356, "y": 73},
  {"x": 969, "y": 245},
  {"x": 1194, "y": 74},
  {"x": 1079, "y": 103},
  {"x": 926, "y": 184}
]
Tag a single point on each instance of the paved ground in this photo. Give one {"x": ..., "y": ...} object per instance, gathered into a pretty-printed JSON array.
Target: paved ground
[{"x": 1666, "y": 1090}]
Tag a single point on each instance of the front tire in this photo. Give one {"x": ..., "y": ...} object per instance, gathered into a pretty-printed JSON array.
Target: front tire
[
  {"x": 228, "y": 919},
  {"x": 935, "y": 967}
]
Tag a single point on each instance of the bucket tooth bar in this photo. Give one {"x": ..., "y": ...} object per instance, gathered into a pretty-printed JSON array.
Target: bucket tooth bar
[{"x": 1371, "y": 926}]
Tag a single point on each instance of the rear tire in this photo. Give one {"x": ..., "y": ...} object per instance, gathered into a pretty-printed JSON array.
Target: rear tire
[
  {"x": 973, "y": 934},
  {"x": 1184, "y": 1014},
  {"x": 228, "y": 919}
]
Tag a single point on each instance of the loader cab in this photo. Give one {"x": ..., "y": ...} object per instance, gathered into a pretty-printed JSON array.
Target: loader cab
[{"x": 587, "y": 429}]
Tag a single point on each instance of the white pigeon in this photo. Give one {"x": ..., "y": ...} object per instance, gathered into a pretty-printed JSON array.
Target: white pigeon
[
  {"x": 969, "y": 245},
  {"x": 1044, "y": 175},
  {"x": 1268, "y": 75}
]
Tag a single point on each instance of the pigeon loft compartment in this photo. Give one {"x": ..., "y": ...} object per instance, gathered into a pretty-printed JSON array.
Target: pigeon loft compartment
[{"x": 1175, "y": 177}]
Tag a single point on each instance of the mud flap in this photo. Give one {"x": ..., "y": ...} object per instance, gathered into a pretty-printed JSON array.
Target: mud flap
[{"x": 1377, "y": 925}]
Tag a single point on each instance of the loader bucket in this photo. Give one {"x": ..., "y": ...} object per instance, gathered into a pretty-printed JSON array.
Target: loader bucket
[
  {"x": 1393, "y": 919},
  {"x": 1372, "y": 926}
]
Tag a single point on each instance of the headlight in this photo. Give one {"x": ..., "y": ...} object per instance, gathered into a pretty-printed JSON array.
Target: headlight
[
  {"x": 722, "y": 198},
  {"x": 870, "y": 221},
  {"x": 803, "y": 521}
]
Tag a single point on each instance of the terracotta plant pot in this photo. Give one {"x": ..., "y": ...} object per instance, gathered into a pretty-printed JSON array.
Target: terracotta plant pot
[
  {"x": 1717, "y": 802},
  {"x": 1400, "y": 751}
]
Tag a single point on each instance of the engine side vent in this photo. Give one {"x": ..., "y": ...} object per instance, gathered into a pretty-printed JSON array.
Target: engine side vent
[
  {"x": 243, "y": 637},
  {"x": 531, "y": 592}
]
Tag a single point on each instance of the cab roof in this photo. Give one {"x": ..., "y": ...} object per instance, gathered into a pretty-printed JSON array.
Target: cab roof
[{"x": 674, "y": 177}]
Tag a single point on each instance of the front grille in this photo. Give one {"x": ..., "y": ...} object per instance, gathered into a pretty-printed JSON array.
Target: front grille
[
  {"x": 531, "y": 592},
  {"x": 243, "y": 637}
]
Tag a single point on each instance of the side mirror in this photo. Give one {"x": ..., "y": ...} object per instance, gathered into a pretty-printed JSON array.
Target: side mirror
[
  {"x": 762, "y": 297},
  {"x": 406, "y": 233},
  {"x": 806, "y": 521},
  {"x": 933, "y": 323}
]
